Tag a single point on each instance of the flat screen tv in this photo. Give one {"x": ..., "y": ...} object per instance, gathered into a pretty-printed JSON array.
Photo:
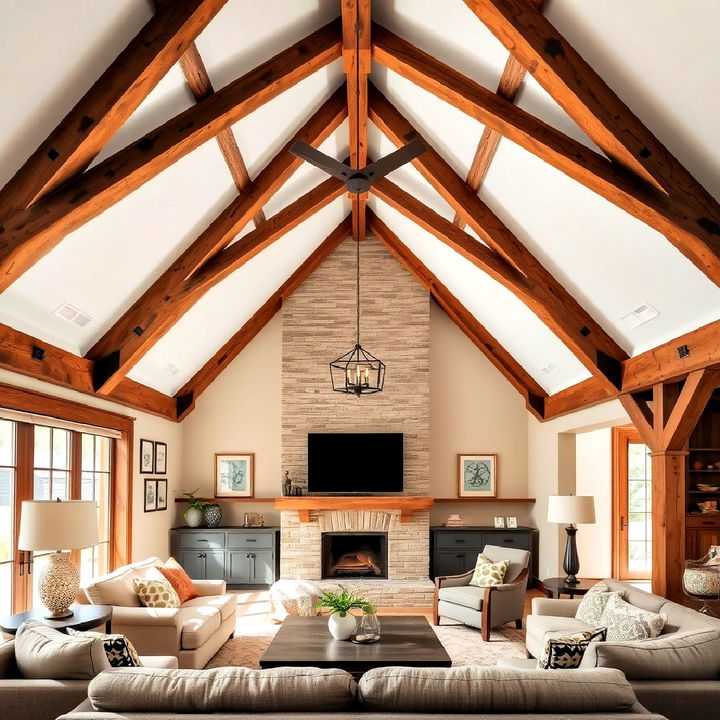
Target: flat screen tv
[{"x": 355, "y": 463}]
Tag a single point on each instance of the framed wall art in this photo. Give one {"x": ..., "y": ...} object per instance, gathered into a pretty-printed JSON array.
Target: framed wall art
[
  {"x": 150, "y": 496},
  {"x": 160, "y": 458},
  {"x": 234, "y": 474},
  {"x": 147, "y": 456},
  {"x": 162, "y": 494},
  {"x": 477, "y": 475}
]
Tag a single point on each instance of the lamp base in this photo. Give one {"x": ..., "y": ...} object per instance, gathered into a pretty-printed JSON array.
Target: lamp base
[
  {"x": 58, "y": 585},
  {"x": 571, "y": 562},
  {"x": 571, "y": 580}
]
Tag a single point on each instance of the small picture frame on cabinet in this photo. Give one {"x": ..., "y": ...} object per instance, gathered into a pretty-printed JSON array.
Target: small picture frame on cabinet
[
  {"x": 499, "y": 522},
  {"x": 511, "y": 522}
]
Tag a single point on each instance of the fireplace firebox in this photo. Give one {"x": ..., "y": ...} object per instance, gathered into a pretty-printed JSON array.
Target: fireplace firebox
[{"x": 354, "y": 555}]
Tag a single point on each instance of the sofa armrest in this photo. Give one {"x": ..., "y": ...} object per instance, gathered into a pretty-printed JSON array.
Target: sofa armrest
[
  {"x": 153, "y": 631},
  {"x": 555, "y": 608},
  {"x": 519, "y": 581},
  {"x": 453, "y": 580},
  {"x": 210, "y": 587},
  {"x": 40, "y": 699},
  {"x": 145, "y": 616},
  {"x": 163, "y": 662}
]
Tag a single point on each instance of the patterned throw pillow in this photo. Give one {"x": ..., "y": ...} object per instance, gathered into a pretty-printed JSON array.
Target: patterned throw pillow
[
  {"x": 593, "y": 603},
  {"x": 627, "y": 622},
  {"x": 488, "y": 573},
  {"x": 156, "y": 593},
  {"x": 119, "y": 650},
  {"x": 179, "y": 579},
  {"x": 567, "y": 652}
]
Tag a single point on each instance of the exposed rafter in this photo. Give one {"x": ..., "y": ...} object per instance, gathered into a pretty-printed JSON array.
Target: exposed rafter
[
  {"x": 198, "y": 383},
  {"x": 698, "y": 238},
  {"x": 85, "y": 130},
  {"x": 28, "y": 235},
  {"x": 510, "y": 81},
  {"x": 513, "y": 372}
]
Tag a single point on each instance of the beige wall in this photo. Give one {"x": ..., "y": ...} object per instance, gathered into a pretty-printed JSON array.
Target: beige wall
[{"x": 150, "y": 530}]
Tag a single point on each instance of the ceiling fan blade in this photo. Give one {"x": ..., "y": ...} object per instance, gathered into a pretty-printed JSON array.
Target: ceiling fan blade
[
  {"x": 321, "y": 160},
  {"x": 384, "y": 166}
]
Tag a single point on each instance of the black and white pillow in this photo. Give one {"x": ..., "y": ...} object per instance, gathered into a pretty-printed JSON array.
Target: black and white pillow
[
  {"x": 119, "y": 650},
  {"x": 567, "y": 652}
]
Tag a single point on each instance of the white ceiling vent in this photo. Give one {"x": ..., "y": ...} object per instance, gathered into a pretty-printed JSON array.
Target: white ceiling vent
[
  {"x": 551, "y": 368},
  {"x": 640, "y": 315},
  {"x": 171, "y": 369},
  {"x": 70, "y": 313}
]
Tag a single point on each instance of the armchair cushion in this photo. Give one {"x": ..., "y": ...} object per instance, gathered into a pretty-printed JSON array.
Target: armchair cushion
[
  {"x": 488, "y": 573},
  {"x": 468, "y": 596}
]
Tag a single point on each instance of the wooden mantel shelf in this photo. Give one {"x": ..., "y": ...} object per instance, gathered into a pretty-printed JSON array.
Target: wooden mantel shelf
[{"x": 406, "y": 504}]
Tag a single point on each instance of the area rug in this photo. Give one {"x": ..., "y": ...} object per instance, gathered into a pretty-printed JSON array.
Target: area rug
[{"x": 463, "y": 644}]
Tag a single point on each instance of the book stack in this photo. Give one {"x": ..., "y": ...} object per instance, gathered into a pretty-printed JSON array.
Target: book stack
[{"x": 454, "y": 521}]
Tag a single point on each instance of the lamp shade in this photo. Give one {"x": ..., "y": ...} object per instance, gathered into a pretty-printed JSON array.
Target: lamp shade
[
  {"x": 53, "y": 525},
  {"x": 571, "y": 509}
]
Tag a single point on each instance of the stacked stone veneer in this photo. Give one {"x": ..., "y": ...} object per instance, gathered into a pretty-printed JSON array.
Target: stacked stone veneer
[{"x": 318, "y": 326}]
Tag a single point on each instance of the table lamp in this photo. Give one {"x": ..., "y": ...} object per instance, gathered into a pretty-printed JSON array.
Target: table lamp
[
  {"x": 574, "y": 510},
  {"x": 58, "y": 525}
]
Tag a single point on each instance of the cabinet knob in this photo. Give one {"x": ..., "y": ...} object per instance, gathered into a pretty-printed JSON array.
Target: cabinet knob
[{"x": 459, "y": 540}]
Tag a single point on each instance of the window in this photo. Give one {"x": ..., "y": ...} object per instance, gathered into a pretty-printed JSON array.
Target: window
[
  {"x": 95, "y": 484},
  {"x": 7, "y": 514}
]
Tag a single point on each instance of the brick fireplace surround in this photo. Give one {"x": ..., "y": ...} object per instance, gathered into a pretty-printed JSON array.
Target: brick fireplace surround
[{"x": 318, "y": 325}]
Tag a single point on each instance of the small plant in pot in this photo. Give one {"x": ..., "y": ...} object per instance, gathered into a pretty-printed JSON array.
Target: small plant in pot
[
  {"x": 341, "y": 623},
  {"x": 194, "y": 512}
]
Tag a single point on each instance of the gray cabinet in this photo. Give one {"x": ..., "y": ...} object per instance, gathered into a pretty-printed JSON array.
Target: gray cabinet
[
  {"x": 240, "y": 556},
  {"x": 455, "y": 550}
]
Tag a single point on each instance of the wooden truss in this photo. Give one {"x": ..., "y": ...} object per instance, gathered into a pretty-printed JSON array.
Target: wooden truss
[{"x": 54, "y": 193}]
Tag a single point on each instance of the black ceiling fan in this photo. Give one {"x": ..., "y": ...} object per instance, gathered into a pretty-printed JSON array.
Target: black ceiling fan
[{"x": 358, "y": 181}]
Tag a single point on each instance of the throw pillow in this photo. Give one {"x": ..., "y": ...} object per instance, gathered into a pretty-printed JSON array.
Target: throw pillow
[
  {"x": 627, "y": 622},
  {"x": 179, "y": 579},
  {"x": 593, "y": 603},
  {"x": 119, "y": 650},
  {"x": 567, "y": 652},
  {"x": 488, "y": 573},
  {"x": 156, "y": 593}
]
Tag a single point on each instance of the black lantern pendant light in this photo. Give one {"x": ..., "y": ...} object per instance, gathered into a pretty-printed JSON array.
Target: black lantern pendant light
[{"x": 357, "y": 372}]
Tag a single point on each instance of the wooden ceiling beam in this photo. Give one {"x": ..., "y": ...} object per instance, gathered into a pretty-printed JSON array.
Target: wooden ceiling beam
[
  {"x": 111, "y": 367},
  {"x": 505, "y": 363},
  {"x": 510, "y": 81},
  {"x": 694, "y": 235},
  {"x": 589, "y": 339},
  {"x": 21, "y": 353},
  {"x": 208, "y": 373},
  {"x": 86, "y": 129},
  {"x": 553, "y": 311},
  {"x": 30, "y": 234},
  {"x": 356, "y": 65},
  {"x": 222, "y": 230}
]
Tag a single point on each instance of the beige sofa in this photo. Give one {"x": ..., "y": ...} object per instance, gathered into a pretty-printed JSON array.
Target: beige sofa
[
  {"x": 193, "y": 632},
  {"x": 676, "y": 674}
]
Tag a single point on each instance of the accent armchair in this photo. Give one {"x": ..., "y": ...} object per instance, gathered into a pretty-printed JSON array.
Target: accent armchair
[{"x": 485, "y": 607}]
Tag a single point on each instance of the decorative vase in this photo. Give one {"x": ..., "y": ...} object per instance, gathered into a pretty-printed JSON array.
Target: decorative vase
[
  {"x": 368, "y": 630},
  {"x": 342, "y": 625},
  {"x": 212, "y": 515},
  {"x": 58, "y": 585},
  {"x": 193, "y": 517},
  {"x": 697, "y": 465}
]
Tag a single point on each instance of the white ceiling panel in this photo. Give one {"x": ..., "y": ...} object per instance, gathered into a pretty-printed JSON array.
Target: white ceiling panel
[
  {"x": 512, "y": 324},
  {"x": 221, "y": 312}
]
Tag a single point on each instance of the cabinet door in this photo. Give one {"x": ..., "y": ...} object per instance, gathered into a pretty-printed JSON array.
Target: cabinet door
[
  {"x": 214, "y": 564},
  {"x": 454, "y": 563},
  {"x": 691, "y": 544},
  {"x": 704, "y": 538},
  {"x": 194, "y": 564},
  {"x": 261, "y": 566},
  {"x": 238, "y": 570}
]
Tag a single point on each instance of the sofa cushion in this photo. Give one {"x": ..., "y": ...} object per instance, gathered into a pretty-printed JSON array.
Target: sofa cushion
[
  {"x": 156, "y": 593},
  {"x": 41, "y": 652},
  {"x": 474, "y": 689},
  {"x": 8, "y": 666},
  {"x": 593, "y": 603},
  {"x": 466, "y": 595},
  {"x": 226, "y": 604},
  {"x": 566, "y": 652},
  {"x": 682, "y": 619},
  {"x": 119, "y": 650},
  {"x": 198, "y": 624},
  {"x": 182, "y": 584},
  {"x": 693, "y": 655},
  {"x": 627, "y": 622},
  {"x": 635, "y": 596},
  {"x": 228, "y": 689},
  {"x": 547, "y": 626},
  {"x": 116, "y": 588}
]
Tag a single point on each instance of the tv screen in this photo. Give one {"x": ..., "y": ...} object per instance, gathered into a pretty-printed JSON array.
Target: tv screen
[{"x": 355, "y": 463}]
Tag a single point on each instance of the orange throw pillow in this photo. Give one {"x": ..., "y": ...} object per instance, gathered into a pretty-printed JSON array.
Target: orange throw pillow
[{"x": 179, "y": 579}]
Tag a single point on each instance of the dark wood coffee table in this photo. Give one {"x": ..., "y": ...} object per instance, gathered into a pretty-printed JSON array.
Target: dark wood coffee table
[{"x": 306, "y": 641}]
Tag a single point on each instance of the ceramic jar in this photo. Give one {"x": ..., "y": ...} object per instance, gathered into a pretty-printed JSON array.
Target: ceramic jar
[
  {"x": 193, "y": 517},
  {"x": 342, "y": 626},
  {"x": 212, "y": 515}
]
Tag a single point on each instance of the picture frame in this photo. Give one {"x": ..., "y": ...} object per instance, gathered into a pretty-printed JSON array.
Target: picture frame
[
  {"x": 477, "y": 474},
  {"x": 511, "y": 522},
  {"x": 234, "y": 474},
  {"x": 147, "y": 457},
  {"x": 498, "y": 522},
  {"x": 160, "y": 458},
  {"x": 162, "y": 494},
  {"x": 150, "y": 495}
]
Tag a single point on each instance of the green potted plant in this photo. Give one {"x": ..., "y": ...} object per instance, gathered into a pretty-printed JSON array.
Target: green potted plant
[
  {"x": 341, "y": 623},
  {"x": 194, "y": 512}
]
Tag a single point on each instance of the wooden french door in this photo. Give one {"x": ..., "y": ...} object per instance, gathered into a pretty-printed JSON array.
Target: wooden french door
[{"x": 632, "y": 506}]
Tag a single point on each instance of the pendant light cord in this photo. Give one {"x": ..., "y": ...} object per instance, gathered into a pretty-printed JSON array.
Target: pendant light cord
[{"x": 357, "y": 288}]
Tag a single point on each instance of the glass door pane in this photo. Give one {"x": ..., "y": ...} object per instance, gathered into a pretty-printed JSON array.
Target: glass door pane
[{"x": 7, "y": 516}]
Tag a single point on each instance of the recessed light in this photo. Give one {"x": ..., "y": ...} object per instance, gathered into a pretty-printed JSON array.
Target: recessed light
[
  {"x": 551, "y": 369},
  {"x": 640, "y": 315},
  {"x": 69, "y": 312}
]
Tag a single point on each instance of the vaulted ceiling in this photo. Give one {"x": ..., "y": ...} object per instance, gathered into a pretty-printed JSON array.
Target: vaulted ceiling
[{"x": 155, "y": 194}]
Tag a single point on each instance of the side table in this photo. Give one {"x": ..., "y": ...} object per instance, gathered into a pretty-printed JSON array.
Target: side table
[
  {"x": 84, "y": 617},
  {"x": 555, "y": 587}
]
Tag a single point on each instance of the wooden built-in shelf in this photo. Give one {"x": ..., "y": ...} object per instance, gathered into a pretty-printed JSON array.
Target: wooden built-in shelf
[
  {"x": 484, "y": 500},
  {"x": 236, "y": 499},
  {"x": 406, "y": 504}
]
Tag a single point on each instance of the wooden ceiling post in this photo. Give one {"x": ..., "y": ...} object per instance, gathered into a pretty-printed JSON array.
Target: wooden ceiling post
[
  {"x": 665, "y": 429},
  {"x": 356, "y": 65}
]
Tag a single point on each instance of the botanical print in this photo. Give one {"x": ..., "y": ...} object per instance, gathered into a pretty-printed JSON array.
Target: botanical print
[
  {"x": 147, "y": 456},
  {"x": 160, "y": 458},
  {"x": 162, "y": 494},
  {"x": 150, "y": 495},
  {"x": 477, "y": 475},
  {"x": 234, "y": 475}
]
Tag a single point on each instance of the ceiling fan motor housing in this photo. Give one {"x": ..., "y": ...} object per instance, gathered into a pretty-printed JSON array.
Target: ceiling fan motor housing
[{"x": 358, "y": 184}]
